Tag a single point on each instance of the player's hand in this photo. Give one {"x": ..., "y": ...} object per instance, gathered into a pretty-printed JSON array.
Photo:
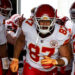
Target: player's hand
[
  {"x": 48, "y": 62},
  {"x": 21, "y": 19},
  {"x": 14, "y": 65}
]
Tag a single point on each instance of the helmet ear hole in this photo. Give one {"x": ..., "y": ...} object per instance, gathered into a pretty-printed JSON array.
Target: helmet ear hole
[{"x": 72, "y": 12}]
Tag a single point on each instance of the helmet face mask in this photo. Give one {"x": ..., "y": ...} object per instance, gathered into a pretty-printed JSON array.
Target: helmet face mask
[
  {"x": 5, "y": 8},
  {"x": 45, "y": 26},
  {"x": 72, "y": 12},
  {"x": 45, "y": 18},
  {"x": 73, "y": 17},
  {"x": 5, "y": 12}
]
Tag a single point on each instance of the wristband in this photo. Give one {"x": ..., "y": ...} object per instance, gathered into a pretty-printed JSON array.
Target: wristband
[
  {"x": 18, "y": 32},
  {"x": 5, "y": 63},
  {"x": 65, "y": 60}
]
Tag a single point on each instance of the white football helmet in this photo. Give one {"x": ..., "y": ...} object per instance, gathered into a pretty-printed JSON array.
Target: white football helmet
[{"x": 15, "y": 18}]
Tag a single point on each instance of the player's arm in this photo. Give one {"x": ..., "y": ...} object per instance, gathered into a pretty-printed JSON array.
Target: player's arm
[
  {"x": 10, "y": 39},
  {"x": 64, "y": 60},
  {"x": 20, "y": 42},
  {"x": 3, "y": 51},
  {"x": 12, "y": 36},
  {"x": 66, "y": 54}
]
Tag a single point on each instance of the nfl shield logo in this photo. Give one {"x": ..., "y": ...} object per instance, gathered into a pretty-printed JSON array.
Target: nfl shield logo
[{"x": 53, "y": 43}]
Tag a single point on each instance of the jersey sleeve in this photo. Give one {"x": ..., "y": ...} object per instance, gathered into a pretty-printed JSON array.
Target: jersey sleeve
[
  {"x": 69, "y": 25},
  {"x": 8, "y": 24},
  {"x": 63, "y": 36},
  {"x": 26, "y": 26}
]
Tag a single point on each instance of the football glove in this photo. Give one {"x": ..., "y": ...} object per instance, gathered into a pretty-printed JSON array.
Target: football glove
[
  {"x": 48, "y": 62},
  {"x": 14, "y": 65}
]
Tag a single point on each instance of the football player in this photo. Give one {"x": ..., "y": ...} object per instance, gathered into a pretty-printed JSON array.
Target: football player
[
  {"x": 45, "y": 41},
  {"x": 13, "y": 31},
  {"x": 3, "y": 41},
  {"x": 72, "y": 28},
  {"x": 66, "y": 22},
  {"x": 5, "y": 8}
]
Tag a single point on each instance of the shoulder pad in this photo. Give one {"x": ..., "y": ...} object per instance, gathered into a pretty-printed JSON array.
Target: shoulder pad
[
  {"x": 29, "y": 21},
  {"x": 63, "y": 33}
]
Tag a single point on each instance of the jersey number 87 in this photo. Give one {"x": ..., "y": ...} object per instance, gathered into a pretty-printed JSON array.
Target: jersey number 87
[{"x": 35, "y": 51}]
